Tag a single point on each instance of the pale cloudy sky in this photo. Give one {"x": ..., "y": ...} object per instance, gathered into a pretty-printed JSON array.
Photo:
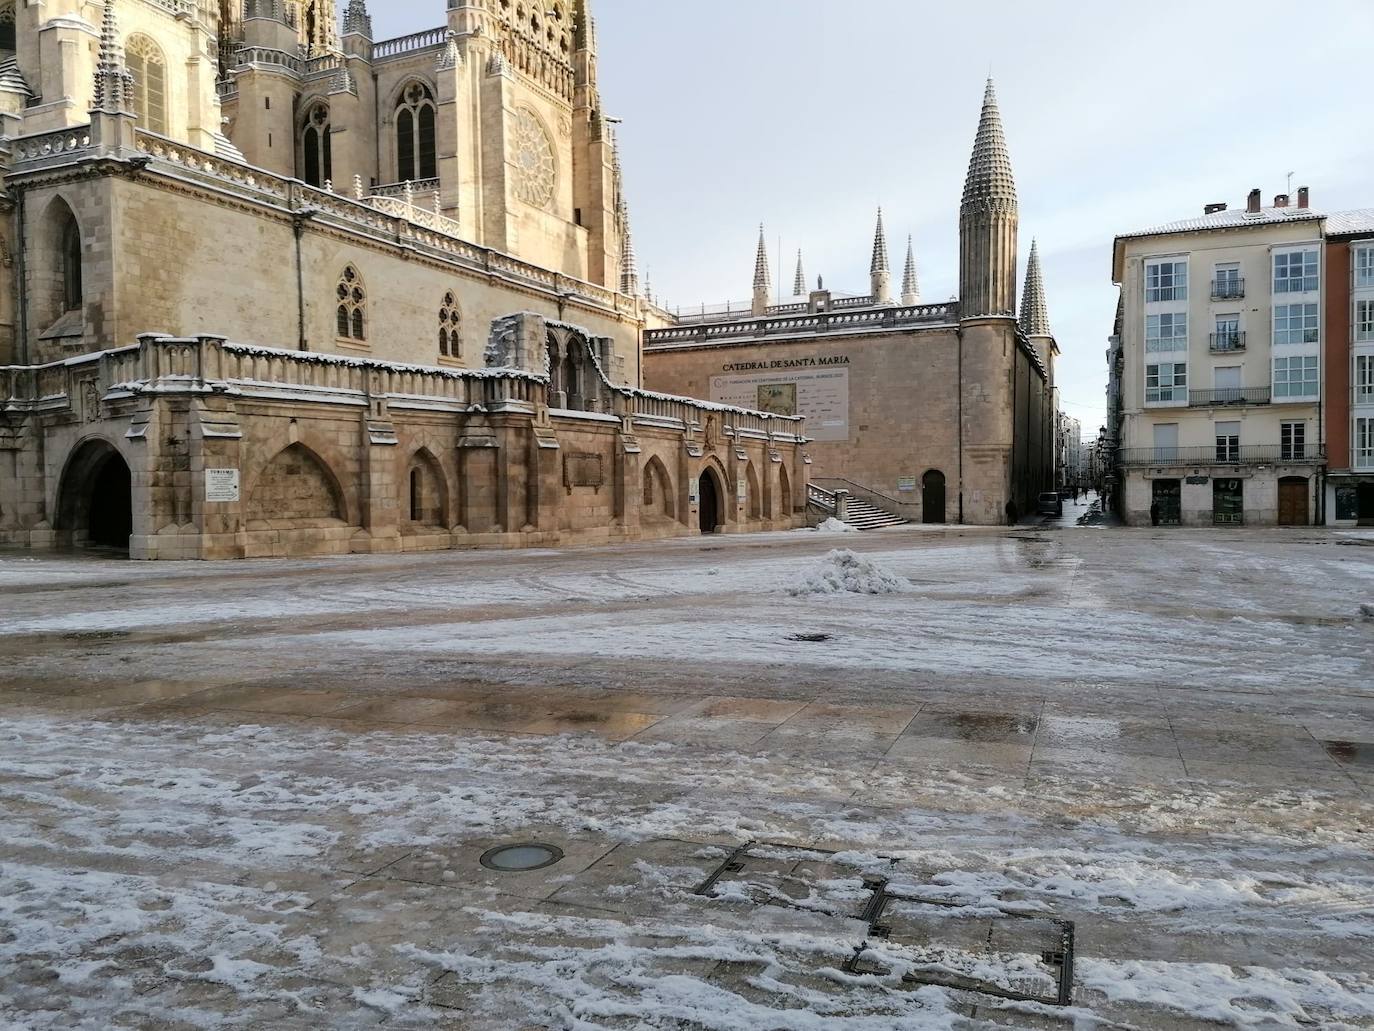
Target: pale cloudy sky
[{"x": 807, "y": 115}]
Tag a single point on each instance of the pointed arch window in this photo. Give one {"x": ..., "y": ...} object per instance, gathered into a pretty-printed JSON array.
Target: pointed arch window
[
  {"x": 149, "y": 69},
  {"x": 450, "y": 325},
  {"x": 7, "y": 39},
  {"x": 416, "y": 154},
  {"x": 351, "y": 313},
  {"x": 71, "y": 264},
  {"x": 316, "y": 156}
]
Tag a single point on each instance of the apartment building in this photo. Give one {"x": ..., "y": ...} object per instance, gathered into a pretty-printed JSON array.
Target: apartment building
[
  {"x": 1221, "y": 366},
  {"x": 1349, "y": 353}
]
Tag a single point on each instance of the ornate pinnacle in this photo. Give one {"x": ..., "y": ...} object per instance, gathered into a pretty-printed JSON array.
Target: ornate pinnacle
[
  {"x": 1035, "y": 314},
  {"x": 911, "y": 286},
  {"x": 114, "y": 83},
  {"x": 356, "y": 19},
  {"x": 799, "y": 286},
  {"x": 989, "y": 169},
  {"x": 629, "y": 264},
  {"x": 762, "y": 278},
  {"x": 880, "y": 259}
]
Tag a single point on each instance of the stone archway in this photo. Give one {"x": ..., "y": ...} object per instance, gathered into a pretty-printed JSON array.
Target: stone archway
[
  {"x": 656, "y": 497},
  {"x": 95, "y": 505},
  {"x": 426, "y": 492},
  {"x": 296, "y": 486},
  {"x": 754, "y": 503},
  {"x": 711, "y": 514},
  {"x": 784, "y": 507}
]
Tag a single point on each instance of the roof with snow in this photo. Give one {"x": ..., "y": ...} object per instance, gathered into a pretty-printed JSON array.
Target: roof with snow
[
  {"x": 1348, "y": 223},
  {"x": 1233, "y": 218}
]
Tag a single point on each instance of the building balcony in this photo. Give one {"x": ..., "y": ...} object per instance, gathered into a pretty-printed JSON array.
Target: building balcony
[
  {"x": 1231, "y": 456},
  {"x": 1229, "y": 396},
  {"x": 1224, "y": 343},
  {"x": 1228, "y": 289}
]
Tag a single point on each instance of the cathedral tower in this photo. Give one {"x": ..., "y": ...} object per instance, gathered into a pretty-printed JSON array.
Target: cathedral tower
[{"x": 988, "y": 222}]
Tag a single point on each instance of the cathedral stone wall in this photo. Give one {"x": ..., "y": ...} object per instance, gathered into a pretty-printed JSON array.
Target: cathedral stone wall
[
  {"x": 187, "y": 448},
  {"x": 906, "y": 419}
]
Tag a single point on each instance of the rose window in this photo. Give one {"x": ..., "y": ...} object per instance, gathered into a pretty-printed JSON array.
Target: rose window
[{"x": 535, "y": 174}]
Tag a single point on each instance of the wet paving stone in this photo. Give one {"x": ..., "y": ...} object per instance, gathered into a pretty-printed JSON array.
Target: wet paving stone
[
  {"x": 1358, "y": 754},
  {"x": 992, "y": 727}
]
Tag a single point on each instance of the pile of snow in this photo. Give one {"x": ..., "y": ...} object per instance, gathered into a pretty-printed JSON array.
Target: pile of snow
[
  {"x": 1368, "y": 612},
  {"x": 833, "y": 525},
  {"x": 843, "y": 572}
]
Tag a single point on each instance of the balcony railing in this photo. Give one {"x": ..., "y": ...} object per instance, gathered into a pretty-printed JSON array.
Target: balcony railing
[
  {"x": 1221, "y": 343},
  {"x": 1229, "y": 396},
  {"x": 1245, "y": 454},
  {"x": 1228, "y": 289}
]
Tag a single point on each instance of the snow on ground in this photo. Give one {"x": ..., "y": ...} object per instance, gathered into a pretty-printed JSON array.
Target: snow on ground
[
  {"x": 1162, "y": 737},
  {"x": 220, "y": 874}
]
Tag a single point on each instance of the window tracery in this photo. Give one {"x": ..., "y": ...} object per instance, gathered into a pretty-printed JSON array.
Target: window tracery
[{"x": 351, "y": 314}]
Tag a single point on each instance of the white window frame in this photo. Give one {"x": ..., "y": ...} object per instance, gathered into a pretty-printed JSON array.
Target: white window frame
[
  {"x": 1362, "y": 442},
  {"x": 1307, "y": 281},
  {"x": 1227, "y": 272},
  {"x": 1174, "y": 342},
  {"x": 1162, "y": 271},
  {"x": 1362, "y": 266},
  {"x": 1227, "y": 444},
  {"x": 1305, "y": 363},
  {"x": 1362, "y": 380},
  {"x": 1309, "y": 324},
  {"x": 1292, "y": 440},
  {"x": 1176, "y": 392},
  {"x": 1362, "y": 321}
]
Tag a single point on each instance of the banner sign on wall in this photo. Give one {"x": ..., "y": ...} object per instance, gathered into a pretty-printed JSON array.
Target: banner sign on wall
[{"x": 820, "y": 394}]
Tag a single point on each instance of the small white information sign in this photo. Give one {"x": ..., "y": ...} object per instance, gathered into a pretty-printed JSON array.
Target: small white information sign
[
  {"x": 742, "y": 489},
  {"x": 694, "y": 490},
  {"x": 221, "y": 485}
]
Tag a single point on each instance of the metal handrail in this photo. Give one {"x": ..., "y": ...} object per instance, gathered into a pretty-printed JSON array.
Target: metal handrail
[
  {"x": 1245, "y": 454},
  {"x": 1230, "y": 396},
  {"x": 1231, "y": 341},
  {"x": 1228, "y": 289},
  {"x": 862, "y": 487}
]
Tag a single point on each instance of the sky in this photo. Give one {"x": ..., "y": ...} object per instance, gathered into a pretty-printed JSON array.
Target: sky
[{"x": 806, "y": 116}]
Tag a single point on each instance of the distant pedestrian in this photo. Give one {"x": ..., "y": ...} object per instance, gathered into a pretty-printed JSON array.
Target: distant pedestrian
[
  {"x": 1075, "y": 495},
  {"x": 1154, "y": 513},
  {"x": 1011, "y": 513}
]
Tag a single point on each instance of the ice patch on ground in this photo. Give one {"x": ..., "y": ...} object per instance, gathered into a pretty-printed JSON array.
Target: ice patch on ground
[
  {"x": 843, "y": 572},
  {"x": 833, "y": 525}
]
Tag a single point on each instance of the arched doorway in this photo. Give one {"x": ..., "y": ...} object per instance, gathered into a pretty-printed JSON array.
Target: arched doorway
[
  {"x": 933, "y": 497},
  {"x": 711, "y": 494},
  {"x": 784, "y": 493},
  {"x": 95, "y": 503}
]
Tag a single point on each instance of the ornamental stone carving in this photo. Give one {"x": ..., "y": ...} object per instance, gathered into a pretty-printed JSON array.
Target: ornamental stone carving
[{"x": 535, "y": 172}]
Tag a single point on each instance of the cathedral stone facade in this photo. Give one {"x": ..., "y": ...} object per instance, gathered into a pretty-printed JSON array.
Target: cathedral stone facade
[
  {"x": 933, "y": 412},
  {"x": 278, "y": 289}
]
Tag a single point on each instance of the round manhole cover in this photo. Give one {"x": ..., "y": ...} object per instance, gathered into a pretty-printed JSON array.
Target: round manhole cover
[{"x": 526, "y": 856}]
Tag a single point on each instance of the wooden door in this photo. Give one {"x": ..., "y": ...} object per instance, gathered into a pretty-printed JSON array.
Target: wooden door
[{"x": 1293, "y": 501}]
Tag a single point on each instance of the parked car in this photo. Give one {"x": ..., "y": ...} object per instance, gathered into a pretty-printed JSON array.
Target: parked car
[{"x": 1050, "y": 503}]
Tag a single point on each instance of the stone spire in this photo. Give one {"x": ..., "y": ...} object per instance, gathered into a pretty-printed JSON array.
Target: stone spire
[
  {"x": 357, "y": 20},
  {"x": 988, "y": 222},
  {"x": 762, "y": 278},
  {"x": 1035, "y": 314},
  {"x": 629, "y": 265},
  {"x": 911, "y": 286},
  {"x": 799, "y": 284},
  {"x": 880, "y": 270},
  {"x": 114, "y": 83}
]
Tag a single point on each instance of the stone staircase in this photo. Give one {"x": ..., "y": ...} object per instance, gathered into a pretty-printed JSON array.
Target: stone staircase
[{"x": 860, "y": 514}]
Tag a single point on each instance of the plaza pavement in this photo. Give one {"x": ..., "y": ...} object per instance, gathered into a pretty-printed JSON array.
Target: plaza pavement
[{"x": 255, "y": 794}]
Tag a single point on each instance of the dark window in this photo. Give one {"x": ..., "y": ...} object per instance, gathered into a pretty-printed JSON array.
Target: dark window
[
  {"x": 405, "y": 146},
  {"x": 7, "y": 31},
  {"x": 71, "y": 265},
  {"x": 416, "y": 148},
  {"x": 316, "y": 154},
  {"x": 415, "y": 495},
  {"x": 428, "y": 168}
]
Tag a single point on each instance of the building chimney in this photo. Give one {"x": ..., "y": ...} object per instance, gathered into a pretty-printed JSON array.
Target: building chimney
[
  {"x": 1212, "y": 209},
  {"x": 1280, "y": 200},
  {"x": 1252, "y": 203},
  {"x": 1304, "y": 197}
]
